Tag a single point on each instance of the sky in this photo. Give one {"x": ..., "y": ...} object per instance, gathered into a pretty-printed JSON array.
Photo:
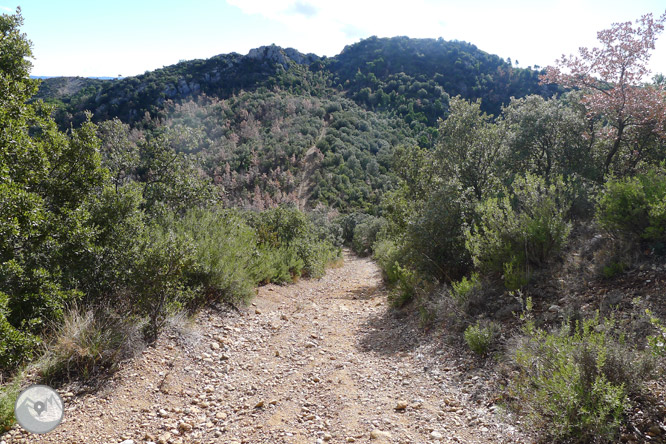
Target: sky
[{"x": 130, "y": 37}]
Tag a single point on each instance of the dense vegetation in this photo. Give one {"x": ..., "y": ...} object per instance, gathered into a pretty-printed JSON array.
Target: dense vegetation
[
  {"x": 255, "y": 118},
  {"x": 487, "y": 216},
  {"x": 468, "y": 180},
  {"x": 107, "y": 232}
]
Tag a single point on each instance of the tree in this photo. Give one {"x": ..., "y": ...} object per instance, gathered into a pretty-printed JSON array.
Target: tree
[
  {"x": 47, "y": 180},
  {"x": 611, "y": 78},
  {"x": 545, "y": 138},
  {"x": 471, "y": 147}
]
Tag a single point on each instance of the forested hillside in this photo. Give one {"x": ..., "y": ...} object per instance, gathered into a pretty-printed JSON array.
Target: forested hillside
[{"x": 278, "y": 126}]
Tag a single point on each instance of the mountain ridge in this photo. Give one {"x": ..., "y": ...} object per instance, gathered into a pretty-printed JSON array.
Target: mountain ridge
[{"x": 378, "y": 73}]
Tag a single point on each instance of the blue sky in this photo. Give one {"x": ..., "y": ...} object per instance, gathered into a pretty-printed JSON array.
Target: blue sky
[{"x": 108, "y": 38}]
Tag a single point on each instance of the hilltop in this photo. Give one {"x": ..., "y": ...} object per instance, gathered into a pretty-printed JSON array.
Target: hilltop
[{"x": 412, "y": 77}]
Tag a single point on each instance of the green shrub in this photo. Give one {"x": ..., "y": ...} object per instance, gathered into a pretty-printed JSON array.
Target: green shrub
[
  {"x": 435, "y": 238},
  {"x": 276, "y": 265},
  {"x": 573, "y": 384},
  {"x": 280, "y": 226},
  {"x": 348, "y": 224},
  {"x": 365, "y": 235},
  {"x": 15, "y": 345},
  {"x": 159, "y": 277},
  {"x": 480, "y": 336},
  {"x": 8, "y": 394},
  {"x": 406, "y": 287},
  {"x": 613, "y": 269},
  {"x": 636, "y": 206},
  {"x": 326, "y": 226},
  {"x": 316, "y": 255},
  {"x": 289, "y": 242},
  {"x": 387, "y": 254},
  {"x": 461, "y": 290},
  {"x": 223, "y": 246},
  {"x": 524, "y": 228}
]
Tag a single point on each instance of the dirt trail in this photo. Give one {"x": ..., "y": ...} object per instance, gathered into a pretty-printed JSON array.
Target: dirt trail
[
  {"x": 311, "y": 162},
  {"x": 316, "y": 361}
]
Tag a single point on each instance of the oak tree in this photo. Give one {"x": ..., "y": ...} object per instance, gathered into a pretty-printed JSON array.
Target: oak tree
[{"x": 632, "y": 113}]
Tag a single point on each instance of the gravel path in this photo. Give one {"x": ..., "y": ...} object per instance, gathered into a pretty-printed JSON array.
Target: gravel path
[{"x": 316, "y": 361}]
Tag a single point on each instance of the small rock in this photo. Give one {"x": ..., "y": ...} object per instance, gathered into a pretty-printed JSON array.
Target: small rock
[
  {"x": 654, "y": 430},
  {"x": 612, "y": 298},
  {"x": 436, "y": 435},
  {"x": 163, "y": 413},
  {"x": 328, "y": 437},
  {"x": 401, "y": 405},
  {"x": 221, "y": 415},
  {"x": 273, "y": 402},
  {"x": 164, "y": 438},
  {"x": 214, "y": 345},
  {"x": 185, "y": 427},
  {"x": 350, "y": 439},
  {"x": 259, "y": 405},
  {"x": 257, "y": 311},
  {"x": 128, "y": 441},
  {"x": 379, "y": 434},
  {"x": 310, "y": 344}
]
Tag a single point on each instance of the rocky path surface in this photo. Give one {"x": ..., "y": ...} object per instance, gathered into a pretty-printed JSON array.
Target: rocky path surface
[{"x": 312, "y": 362}]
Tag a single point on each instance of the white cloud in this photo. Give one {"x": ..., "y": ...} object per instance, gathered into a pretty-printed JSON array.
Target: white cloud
[
  {"x": 6, "y": 8},
  {"x": 525, "y": 30}
]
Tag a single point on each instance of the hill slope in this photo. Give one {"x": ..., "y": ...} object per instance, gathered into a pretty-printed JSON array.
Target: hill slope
[{"x": 257, "y": 115}]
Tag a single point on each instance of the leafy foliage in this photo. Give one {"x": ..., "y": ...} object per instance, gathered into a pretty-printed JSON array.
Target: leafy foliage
[
  {"x": 413, "y": 76},
  {"x": 113, "y": 215},
  {"x": 611, "y": 78},
  {"x": 574, "y": 383},
  {"x": 479, "y": 336},
  {"x": 636, "y": 205},
  {"x": 524, "y": 228}
]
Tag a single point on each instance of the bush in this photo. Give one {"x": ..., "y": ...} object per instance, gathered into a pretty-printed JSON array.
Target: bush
[
  {"x": 461, "y": 290},
  {"x": 408, "y": 282},
  {"x": 480, "y": 336},
  {"x": 15, "y": 345},
  {"x": 524, "y": 228},
  {"x": 365, "y": 234},
  {"x": 435, "y": 239},
  {"x": 387, "y": 254},
  {"x": 159, "y": 277},
  {"x": 223, "y": 254},
  {"x": 348, "y": 224},
  {"x": 326, "y": 226},
  {"x": 613, "y": 269},
  {"x": 574, "y": 383},
  {"x": 636, "y": 206},
  {"x": 8, "y": 394},
  {"x": 288, "y": 241},
  {"x": 89, "y": 342}
]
